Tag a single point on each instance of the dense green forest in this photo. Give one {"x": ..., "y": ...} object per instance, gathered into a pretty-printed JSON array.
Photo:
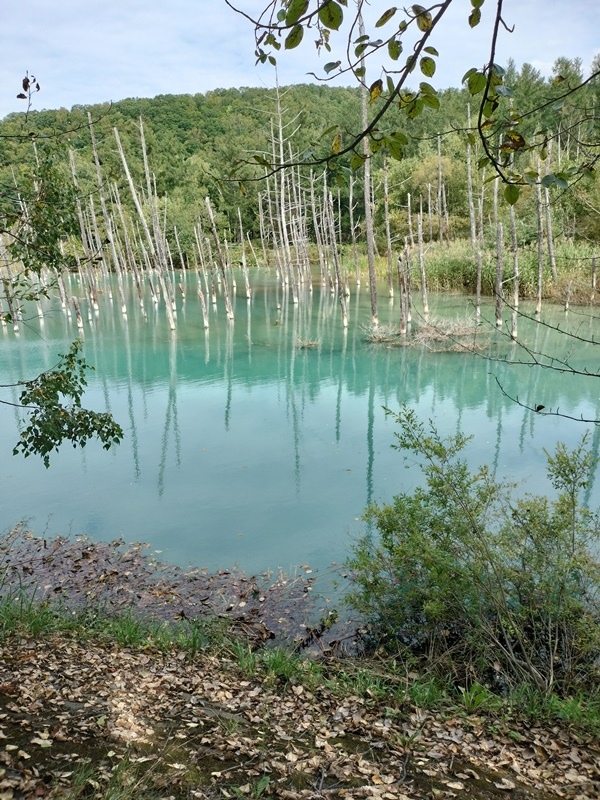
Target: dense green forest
[{"x": 217, "y": 144}]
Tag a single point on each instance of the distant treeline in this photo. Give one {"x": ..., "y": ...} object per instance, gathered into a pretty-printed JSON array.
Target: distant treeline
[{"x": 194, "y": 142}]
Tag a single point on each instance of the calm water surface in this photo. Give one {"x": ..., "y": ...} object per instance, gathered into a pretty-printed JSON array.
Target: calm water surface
[{"x": 243, "y": 448}]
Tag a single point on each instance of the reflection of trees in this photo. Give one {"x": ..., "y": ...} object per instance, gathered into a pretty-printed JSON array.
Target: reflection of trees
[
  {"x": 404, "y": 373},
  {"x": 170, "y": 417},
  {"x": 263, "y": 348},
  {"x": 130, "y": 404}
]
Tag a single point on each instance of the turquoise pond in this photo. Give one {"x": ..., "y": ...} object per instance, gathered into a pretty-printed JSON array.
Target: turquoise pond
[{"x": 242, "y": 447}]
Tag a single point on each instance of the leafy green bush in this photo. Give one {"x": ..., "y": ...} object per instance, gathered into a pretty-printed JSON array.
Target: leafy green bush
[{"x": 478, "y": 584}]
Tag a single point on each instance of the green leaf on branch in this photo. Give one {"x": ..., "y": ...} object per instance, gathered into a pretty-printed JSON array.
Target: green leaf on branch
[
  {"x": 294, "y": 37},
  {"x": 558, "y": 179},
  {"x": 394, "y": 49},
  {"x": 331, "y": 15},
  {"x": 357, "y": 161},
  {"x": 427, "y": 88},
  {"x": 474, "y": 18},
  {"x": 395, "y": 147},
  {"x": 415, "y": 108},
  {"x": 476, "y": 82},
  {"x": 386, "y": 17},
  {"x": 511, "y": 193},
  {"x": 427, "y": 66},
  {"x": 431, "y": 101},
  {"x": 328, "y": 131},
  {"x": 489, "y": 107},
  {"x": 331, "y": 65},
  {"x": 375, "y": 90},
  {"x": 531, "y": 176},
  {"x": 400, "y": 138},
  {"x": 423, "y": 17},
  {"x": 295, "y": 10}
]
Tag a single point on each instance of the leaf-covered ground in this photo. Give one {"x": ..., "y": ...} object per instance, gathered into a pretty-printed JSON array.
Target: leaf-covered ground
[
  {"x": 83, "y": 717},
  {"x": 200, "y": 727}
]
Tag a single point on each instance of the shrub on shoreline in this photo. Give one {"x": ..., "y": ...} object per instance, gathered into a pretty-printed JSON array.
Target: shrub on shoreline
[{"x": 470, "y": 582}]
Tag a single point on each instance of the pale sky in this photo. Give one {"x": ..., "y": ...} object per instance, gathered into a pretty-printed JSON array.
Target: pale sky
[{"x": 93, "y": 51}]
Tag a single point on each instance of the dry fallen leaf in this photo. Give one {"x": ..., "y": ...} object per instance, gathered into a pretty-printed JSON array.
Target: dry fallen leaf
[{"x": 505, "y": 784}]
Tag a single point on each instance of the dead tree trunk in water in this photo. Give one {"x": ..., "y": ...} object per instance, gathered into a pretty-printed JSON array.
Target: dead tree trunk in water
[
  {"x": 472, "y": 220},
  {"x": 353, "y": 230},
  {"x": 549, "y": 236},
  {"x": 369, "y": 227},
  {"x": 388, "y": 236},
  {"x": 422, "y": 265},
  {"x": 499, "y": 272},
  {"x": 222, "y": 264},
  {"x": 439, "y": 192},
  {"x": 540, "y": 242},
  {"x": 515, "y": 253},
  {"x": 244, "y": 264},
  {"x": 336, "y": 261}
]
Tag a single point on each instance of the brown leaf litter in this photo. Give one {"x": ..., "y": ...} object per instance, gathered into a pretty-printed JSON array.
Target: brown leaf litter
[
  {"x": 115, "y": 578},
  {"x": 199, "y": 727},
  {"x": 177, "y": 726}
]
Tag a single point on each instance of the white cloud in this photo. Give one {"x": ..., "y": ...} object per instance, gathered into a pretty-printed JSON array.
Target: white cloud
[{"x": 84, "y": 51}]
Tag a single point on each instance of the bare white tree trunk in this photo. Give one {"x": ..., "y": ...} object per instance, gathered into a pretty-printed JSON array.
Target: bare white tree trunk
[
  {"x": 422, "y": 266},
  {"x": 478, "y": 288},
  {"x": 548, "y": 208},
  {"x": 388, "y": 236},
  {"x": 221, "y": 259},
  {"x": 499, "y": 272},
  {"x": 540, "y": 241},
  {"x": 353, "y": 230},
  {"x": 369, "y": 227},
  {"x": 515, "y": 255},
  {"x": 409, "y": 218},
  {"x": 472, "y": 220},
  {"x": 336, "y": 262}
]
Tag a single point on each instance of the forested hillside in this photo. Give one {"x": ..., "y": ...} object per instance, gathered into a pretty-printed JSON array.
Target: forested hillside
[{"x": 217, "y": 145}]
